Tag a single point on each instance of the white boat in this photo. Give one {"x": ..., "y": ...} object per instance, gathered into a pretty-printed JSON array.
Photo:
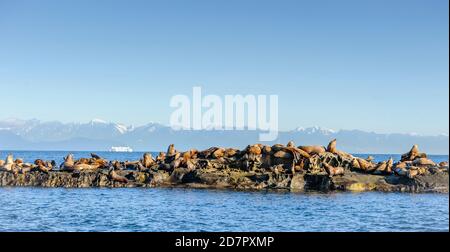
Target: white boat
[{"x": 121, "y": 149}]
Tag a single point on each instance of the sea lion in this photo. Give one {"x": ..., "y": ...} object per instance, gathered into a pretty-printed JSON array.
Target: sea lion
[
  {"x": 277, "y": 147},
  {"x": 364, "y": 164},
  {"x": 9, "y": 164},
  {"x": 370, "y": 158},
  {"x": 190, "y": 155},
  {"x": 218, "y": 153},
  {"x": 161, "y": 157},
  {"x": 423, "y": 162},
  {"x": 411, "y": 173},
  {"x": 355, "y": 164},
  {"x": 380, "y": 167},
  {"x": 95, "y": 156},
  {"x": 68, "y": 164},
  {"x": 85, "y": 167},
  {"x": 116, "y": 177},
  {"x": 333, "y": 171},
  {"x": 2, "y": 162},
  {"x": 291, "y": 144},
  {"x": 147, "y": 160},
  {"x": 43, "y": 166},
  {"x": 389, "y": 165},
  {"x": 332, "y": 146},
  {"x": 230, "y": 152},
  {"x": 413, "y": 154},
  {"x": 443, "y": 164},
  {"x": 254, "y": 149},
  {"x": 171, "y": 150},
  {"x": 403, "y": 165},
  {"x": 313, "y": 150},
  {"x": 283, "y": 154},
  {"x": 117, "y": 165},
  {"x": 343, "y": 154},
  {"x": 26, "y": 168}
]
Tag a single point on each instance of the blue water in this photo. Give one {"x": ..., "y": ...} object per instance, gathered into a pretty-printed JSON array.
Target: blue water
[
  {"x": 131, "y": 209},
  {"x": 162, "y": 209}
]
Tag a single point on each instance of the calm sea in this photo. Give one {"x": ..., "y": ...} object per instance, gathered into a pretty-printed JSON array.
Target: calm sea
[{"x": 161, "y": 209}]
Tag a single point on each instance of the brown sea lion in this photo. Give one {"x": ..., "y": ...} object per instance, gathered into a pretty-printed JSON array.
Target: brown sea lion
[
  {"x": 423, "y": 161},
  {"x": 207, "y": 153},
  {"x": 291, "y": 144},
  {"x": 161, "y": 157},
  {"x": 41, "y": 165},
  {"x": 85, "y": 167},
  {"x": 364, "y": 164},
  {"x": 171, "y": 150},
  {"x": 9, "y": 164},
  {"x": 116, "y": 177},
  {"x": 355, "y": 164},
  {"x": 403, "y": 165},
  {"x": 380, "y": 167},
  {"x": 68, "y": 164},
  {"x": 283, "y": 154},
  {"x": 277, "y": 147},
  {"x": 343, "y": 154},
  {"x": 147, "y": 160},
  {"x": 218, "y": 153},
  {"x": 254, "y": 149},
  {"x": 2, "y": 162},
  {"x": 332, "y": 146},
  {"x": 313, "y": 150},
  {"x": 370, "y": 158},
  {"x": 412, "y": 154},
  {"x": 26, "y": 168},
  {"x": 411, "y": 173},
  {"x": 389, "y": 165},
  {"x": 333, "y": 171},
  {"x": 230, "y": 152},
  {"x": 443, "y": 164},
  {"x": 82, "y": 161}
]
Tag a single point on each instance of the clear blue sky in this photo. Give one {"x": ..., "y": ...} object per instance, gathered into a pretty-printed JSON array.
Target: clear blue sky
[{"x": 371, "y": 65}]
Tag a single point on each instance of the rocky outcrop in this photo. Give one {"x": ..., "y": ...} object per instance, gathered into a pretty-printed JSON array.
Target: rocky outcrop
[{"x": 258, "y": 167}]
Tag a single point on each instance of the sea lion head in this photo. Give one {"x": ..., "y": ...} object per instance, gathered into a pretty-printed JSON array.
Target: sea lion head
[
  {"x": 415, "y": 149},
  {"x": 171, "y": 150},
  {"x": 332, "y": 146},
  {"x": 69, "y": 158},
  {"x": 254, "y": 149},
  {"x": 10, "y": 159},
  {"x": 291, "y": 144}
]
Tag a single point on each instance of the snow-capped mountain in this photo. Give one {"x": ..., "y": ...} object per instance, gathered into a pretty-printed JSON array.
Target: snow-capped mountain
[{"x": 16, "y": 134}]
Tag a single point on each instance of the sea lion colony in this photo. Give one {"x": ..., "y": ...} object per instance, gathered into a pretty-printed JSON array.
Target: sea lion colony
[{"x": 277, "y": 160}]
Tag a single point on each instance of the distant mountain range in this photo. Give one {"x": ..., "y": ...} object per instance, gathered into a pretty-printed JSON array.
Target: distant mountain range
[{"x": 98, "y": 135}]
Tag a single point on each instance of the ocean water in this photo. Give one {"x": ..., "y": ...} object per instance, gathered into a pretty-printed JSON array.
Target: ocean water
[
  {"x": 158, "y": 209},
  {"x": 165, "y": 209}
]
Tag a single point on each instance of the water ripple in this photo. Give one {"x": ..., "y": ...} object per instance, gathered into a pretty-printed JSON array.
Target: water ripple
[{"x": 58, "y": 209}]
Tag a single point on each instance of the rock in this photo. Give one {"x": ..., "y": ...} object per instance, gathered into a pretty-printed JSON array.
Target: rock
[{"x": 298, "y": 183}]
